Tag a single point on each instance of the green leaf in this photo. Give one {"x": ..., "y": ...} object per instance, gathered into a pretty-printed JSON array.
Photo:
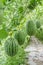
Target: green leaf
[{"x": 3, "y": 34}]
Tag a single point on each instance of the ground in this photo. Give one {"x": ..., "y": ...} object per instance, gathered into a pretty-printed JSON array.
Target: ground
[{"x": 34, "y": 52}]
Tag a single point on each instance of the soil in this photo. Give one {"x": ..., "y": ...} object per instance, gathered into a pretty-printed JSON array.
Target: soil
[{"x": 34, "y": 52}]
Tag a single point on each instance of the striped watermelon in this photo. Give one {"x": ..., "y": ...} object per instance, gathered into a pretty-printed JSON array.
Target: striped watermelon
[
  {"x": 20, "y": 37},
  {"x": 11, "y": 46}
]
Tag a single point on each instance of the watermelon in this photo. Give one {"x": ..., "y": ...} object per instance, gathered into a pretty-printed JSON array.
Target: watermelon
[
  {"x": 20, "y": 37},
  {"x": 11, "y": 46},
  {"x": 30, "y": 28}
]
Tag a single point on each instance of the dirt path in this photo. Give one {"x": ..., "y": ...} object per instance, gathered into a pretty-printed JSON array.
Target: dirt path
[{"x": 34, "y": 52}]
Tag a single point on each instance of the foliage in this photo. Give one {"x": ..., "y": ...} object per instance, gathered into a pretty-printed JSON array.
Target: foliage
[
  {"x": 14, "y": 15},
  {"x": 3, "y": 33},
  {"x": 26, "y": 42},
  {"x": 39, "y": 34},
  {"x": 33, "y": 4},
  {"x": 15, "y": 60},
  {"x": 18, "y": 59}
]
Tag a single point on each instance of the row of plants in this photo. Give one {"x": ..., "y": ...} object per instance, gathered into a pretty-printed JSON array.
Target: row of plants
[
  {"x": 16, "y": 31},
  {"x": 15, "y": 44}
]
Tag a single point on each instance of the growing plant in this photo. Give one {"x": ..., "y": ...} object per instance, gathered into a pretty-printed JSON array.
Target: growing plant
[
  {"x": 33, "y": 4},
  {"x": 26, "y": 42},
  {"x": 39, "y": 34},
  {"x": 13, "y": 15},
  {"x": 18, "y": 59}
]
